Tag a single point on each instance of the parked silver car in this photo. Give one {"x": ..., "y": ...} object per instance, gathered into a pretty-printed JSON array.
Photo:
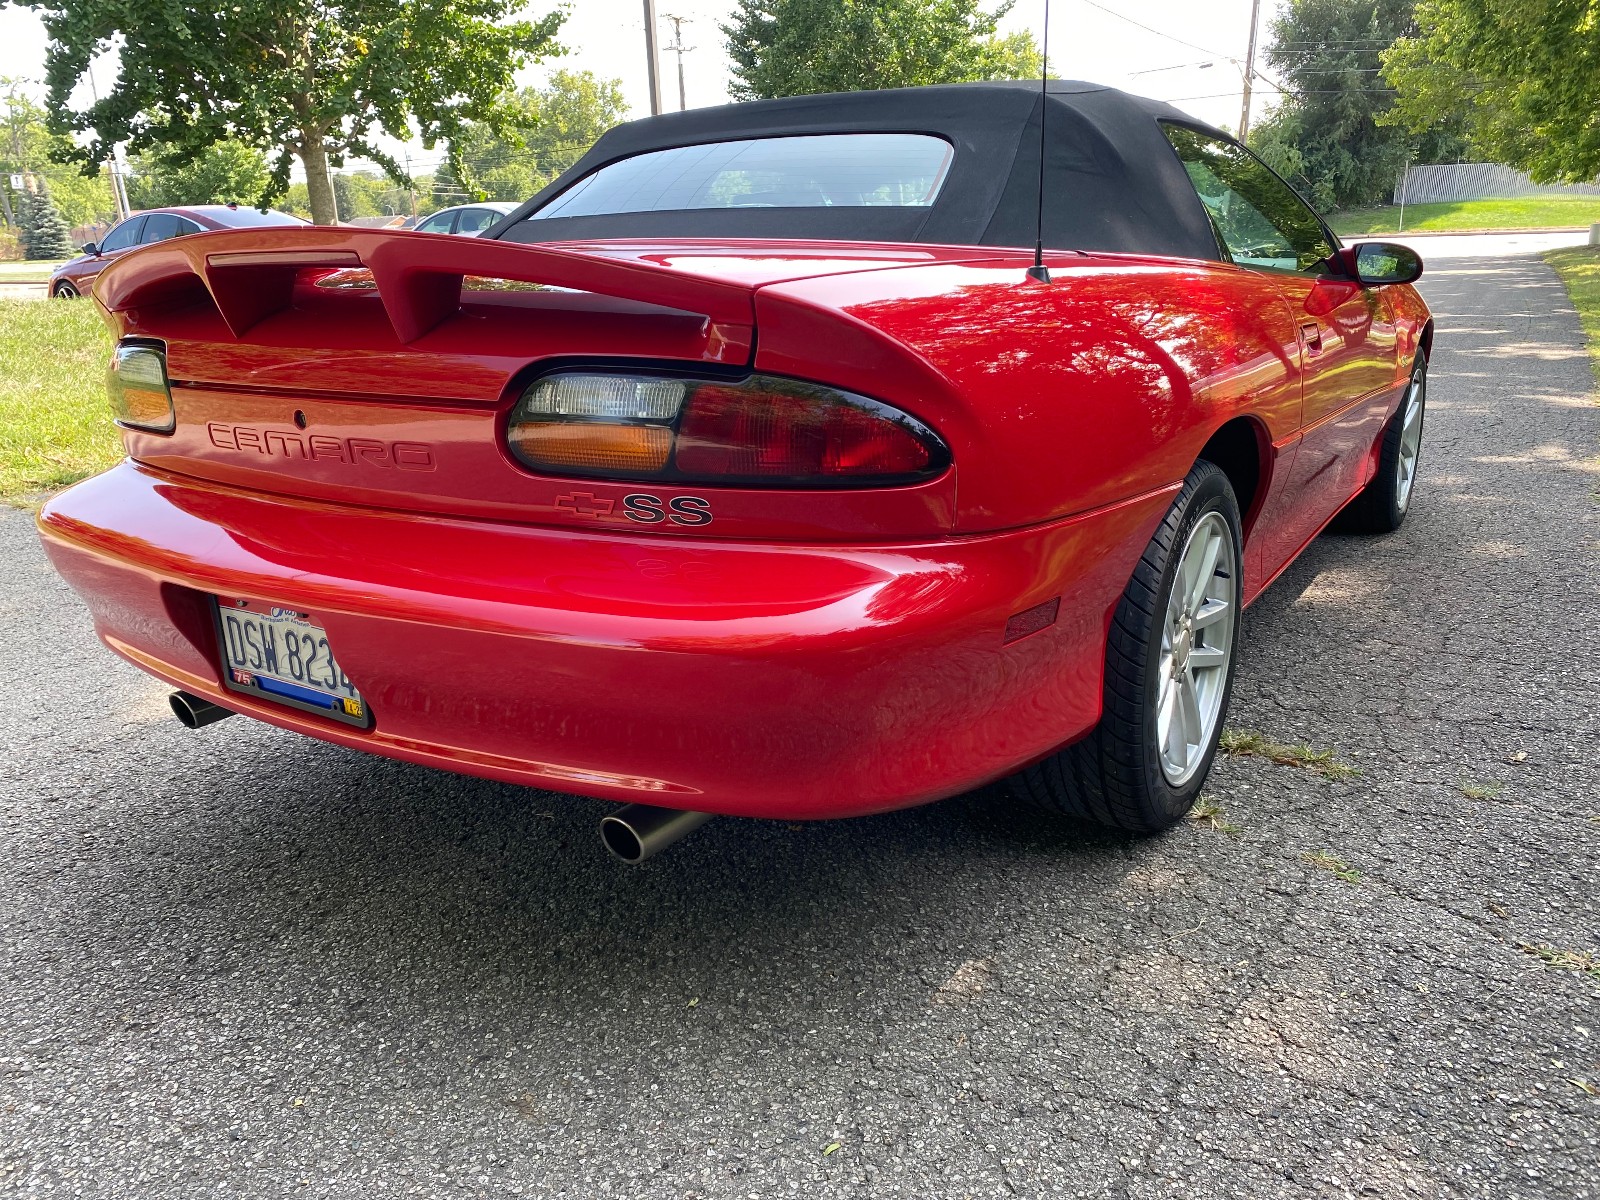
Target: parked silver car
[{"x": 467, "y": 219}]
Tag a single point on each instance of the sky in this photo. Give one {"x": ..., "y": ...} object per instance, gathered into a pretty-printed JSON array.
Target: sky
[{"x": 1155, "y": 48}]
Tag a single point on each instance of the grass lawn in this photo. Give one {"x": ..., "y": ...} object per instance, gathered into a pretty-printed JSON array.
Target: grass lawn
[
  {"x": 55, "y": 423},
  {"x": 1579, "y": 268},
  {"x": 27, "y": 272},
  {"x": 1532, "y": 212}
]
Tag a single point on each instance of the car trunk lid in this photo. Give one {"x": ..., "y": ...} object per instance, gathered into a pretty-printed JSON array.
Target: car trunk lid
[{"x": 377, "y": 367}]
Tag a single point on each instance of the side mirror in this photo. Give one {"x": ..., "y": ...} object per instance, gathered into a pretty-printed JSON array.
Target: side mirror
[
  {"x": 1384, "y": 262},
  {"x": 92, "y": 249}
]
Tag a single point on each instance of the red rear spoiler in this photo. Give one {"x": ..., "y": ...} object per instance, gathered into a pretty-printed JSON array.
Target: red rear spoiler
[{"x": 250, "y": 274}]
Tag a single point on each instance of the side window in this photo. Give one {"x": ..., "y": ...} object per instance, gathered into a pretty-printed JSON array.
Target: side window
[
  {"x": 475, "y": 220},
  {"x": 1257, "y": 216},
  {"x": 438, "y": 223},
  {"x": 186, "y": 227},
  {"x": 124, "y": 235},
  {"x": 158, "y": 227}
]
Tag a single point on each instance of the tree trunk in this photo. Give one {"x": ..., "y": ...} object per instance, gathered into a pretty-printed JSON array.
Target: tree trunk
[{"x": 319, "y": 186}]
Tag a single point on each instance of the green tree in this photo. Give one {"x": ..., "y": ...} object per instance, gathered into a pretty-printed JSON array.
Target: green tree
[
  {"x": 551, "y": 128},
  {"x": 44, "y": 232},
  {"x": 1527, "y": 72},
  {"x": 365, "y": 194},
  {"x": 294, "y": 79},
  {"x": 1014, "y": 56},
  {"x": 26, "y": 145},
  {"x": 226, "y": 172},
  {"x": 351, "y": 194},
  {"x": 1328, "y": 134},
  {"x": 82, "y": 199},
  {"x": 23, "y": 139},
  {"x": 798, "y": 47}
]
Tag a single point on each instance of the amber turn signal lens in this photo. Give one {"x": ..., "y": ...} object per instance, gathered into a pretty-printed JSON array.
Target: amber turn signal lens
[
  {"x": 137, "y": 382},
  {"x": 592, "y": 446}
]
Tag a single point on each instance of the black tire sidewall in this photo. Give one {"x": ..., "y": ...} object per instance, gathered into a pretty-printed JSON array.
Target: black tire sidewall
[{"x": 1210, "y": 493}]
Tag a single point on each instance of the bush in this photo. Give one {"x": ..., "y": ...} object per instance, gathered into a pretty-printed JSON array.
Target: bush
[{"x": 10, "y": 245}]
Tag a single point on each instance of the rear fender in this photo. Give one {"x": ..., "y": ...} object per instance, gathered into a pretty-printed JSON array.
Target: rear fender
[{"x": 1055, "y": 398}]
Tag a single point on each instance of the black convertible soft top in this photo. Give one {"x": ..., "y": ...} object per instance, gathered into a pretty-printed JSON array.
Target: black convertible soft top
[{"x": 1112, "y": 180}]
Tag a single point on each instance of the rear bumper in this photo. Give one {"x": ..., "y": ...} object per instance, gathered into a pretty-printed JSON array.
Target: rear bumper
[{"x": 756, "y": 679}]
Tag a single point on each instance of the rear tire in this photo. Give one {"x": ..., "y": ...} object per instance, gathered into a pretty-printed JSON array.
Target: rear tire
[
  {"x": 1169, "y": 674},
  {"x": 1381, "y": 506}
]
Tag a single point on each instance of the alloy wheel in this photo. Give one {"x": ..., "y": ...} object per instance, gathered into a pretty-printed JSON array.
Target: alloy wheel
[
  {"x": 1410, "y": 442},
  {"x": 1196, "y": 648}
]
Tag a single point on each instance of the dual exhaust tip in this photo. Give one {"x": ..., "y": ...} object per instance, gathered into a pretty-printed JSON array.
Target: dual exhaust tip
[{"x": 633, "y": 833}]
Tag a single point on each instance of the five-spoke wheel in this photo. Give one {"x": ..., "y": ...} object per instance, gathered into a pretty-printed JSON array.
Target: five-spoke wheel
[
  {"x": 1196, "y": 648},
  {"x": 1410, "y": 438}
]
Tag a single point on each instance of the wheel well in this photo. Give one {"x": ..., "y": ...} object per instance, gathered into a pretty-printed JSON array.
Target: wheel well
[
  {"x": 1425, "y": 340},
  {"x": 1237, "y": 449}
]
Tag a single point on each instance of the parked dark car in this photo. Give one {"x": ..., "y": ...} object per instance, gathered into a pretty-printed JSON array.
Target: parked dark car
[{"x": 75, "y": 277}]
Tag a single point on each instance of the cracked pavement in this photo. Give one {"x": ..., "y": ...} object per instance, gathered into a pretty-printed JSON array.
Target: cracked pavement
[{"x": 242, "y": 962}]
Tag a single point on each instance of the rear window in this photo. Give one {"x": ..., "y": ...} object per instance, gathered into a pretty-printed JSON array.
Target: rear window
[
  {"x": 244, "y": 215},
  {"x": 834, "y": 170}
]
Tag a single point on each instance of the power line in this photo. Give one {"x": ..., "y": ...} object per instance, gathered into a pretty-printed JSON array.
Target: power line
[
  {"x": 1374, "y": 42},
  {"x": 1151, "y": 29}
]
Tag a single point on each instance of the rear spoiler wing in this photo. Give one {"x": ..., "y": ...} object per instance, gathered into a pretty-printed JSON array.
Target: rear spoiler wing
[{"x": 250, "y": 274}]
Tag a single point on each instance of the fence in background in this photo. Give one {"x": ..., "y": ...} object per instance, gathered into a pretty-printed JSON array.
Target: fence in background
[{"x": 1477, "y": 181}]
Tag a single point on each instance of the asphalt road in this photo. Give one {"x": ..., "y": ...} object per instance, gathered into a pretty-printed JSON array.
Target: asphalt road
[
  {"x": 241, "y": 963},
  {"x": 1436, "y": 246}
]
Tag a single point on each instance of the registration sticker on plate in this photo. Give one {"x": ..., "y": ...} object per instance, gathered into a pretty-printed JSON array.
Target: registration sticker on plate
[{"x": 282, "y": 655}]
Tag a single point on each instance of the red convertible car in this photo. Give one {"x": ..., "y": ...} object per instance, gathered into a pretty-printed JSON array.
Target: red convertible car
[{"x": 781, "y": 482}]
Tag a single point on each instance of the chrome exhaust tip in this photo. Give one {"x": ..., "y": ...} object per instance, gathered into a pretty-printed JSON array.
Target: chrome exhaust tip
[
  {"x": 194, "y": 711},
  {"x": 636, "y": 832}
]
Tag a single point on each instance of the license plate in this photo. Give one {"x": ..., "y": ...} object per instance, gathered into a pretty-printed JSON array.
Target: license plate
[{"x": 282, "y": 655}]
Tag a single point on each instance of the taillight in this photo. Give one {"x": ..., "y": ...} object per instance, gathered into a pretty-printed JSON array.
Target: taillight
[
  {"x": 137, "y": 381},
  {"x": 762, "y": 430}
]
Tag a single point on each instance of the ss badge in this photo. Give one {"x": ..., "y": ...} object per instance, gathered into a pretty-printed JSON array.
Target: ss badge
[{"x": 680, "y": 510}]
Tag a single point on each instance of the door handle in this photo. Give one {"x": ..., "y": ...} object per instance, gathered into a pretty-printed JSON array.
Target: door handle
[{"x": 1311, "y": 334}]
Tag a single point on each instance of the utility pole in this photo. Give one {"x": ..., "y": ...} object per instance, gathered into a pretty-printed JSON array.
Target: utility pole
[
  {"x": 119, "y": 194},
  {"x": 679, "y": 48},
  {"x": 1249, "y": 70},
  {"x": 654, "y": 55},
  {"x": 119, "y": 188}
]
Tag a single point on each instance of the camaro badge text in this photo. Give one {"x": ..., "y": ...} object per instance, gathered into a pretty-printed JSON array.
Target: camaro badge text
[{"x": 321, "y": 447}]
